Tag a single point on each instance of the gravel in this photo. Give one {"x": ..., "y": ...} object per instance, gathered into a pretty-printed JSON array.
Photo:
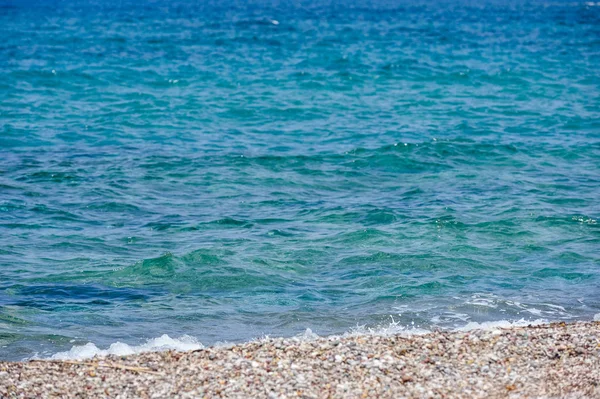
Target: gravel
[{"x": 557, "y": 360}]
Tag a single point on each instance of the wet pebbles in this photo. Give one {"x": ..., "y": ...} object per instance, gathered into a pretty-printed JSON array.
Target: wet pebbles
[{"x": 556, "y": 360}]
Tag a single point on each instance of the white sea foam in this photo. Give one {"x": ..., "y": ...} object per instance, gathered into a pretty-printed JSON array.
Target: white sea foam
[
  {"x": 393, "y": 328},
  {"x": 496, "y": 325},
  {"x": 534, "y": 311},
  {"x": 162, "y": 343},
  {"x": 307, "y": 335},
  {"x": 186, "y": 342}
]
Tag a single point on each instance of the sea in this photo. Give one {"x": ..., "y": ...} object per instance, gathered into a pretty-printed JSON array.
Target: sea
[{"x": 180, "y": 174}]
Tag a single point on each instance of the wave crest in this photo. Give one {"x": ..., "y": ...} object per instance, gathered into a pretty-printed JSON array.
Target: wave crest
[{"x": 162, "y": 343}]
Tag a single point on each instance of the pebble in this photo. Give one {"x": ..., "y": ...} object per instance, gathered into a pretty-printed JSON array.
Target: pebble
[{"x": 516, "y": 362}]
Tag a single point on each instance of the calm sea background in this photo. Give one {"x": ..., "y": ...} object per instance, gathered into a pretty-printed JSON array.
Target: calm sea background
[{"x": 228, "y": 170}]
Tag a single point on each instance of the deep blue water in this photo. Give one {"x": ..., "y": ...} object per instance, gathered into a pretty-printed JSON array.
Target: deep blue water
[{"x": 227, "y": 170}]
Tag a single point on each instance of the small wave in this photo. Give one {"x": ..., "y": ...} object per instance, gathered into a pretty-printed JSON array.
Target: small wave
[
  {"x": 188, "y": 343},
  {"x": 499, "y": 324},
  {"x": 395, "y": 328},
  {"x": 162, "y": 343}
]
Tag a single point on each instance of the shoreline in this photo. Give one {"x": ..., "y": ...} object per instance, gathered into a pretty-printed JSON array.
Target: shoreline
[{"x": 547, "y": 360}]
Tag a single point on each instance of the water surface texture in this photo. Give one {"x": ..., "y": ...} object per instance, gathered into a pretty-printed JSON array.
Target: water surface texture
[{"x": 230, "y": 171}]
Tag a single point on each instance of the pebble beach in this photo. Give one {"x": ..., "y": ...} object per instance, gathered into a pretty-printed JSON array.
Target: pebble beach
[{"x": 558, "y": 360}]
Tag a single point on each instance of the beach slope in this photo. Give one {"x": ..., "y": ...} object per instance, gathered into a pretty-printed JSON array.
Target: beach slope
[{"x": 555, "y": 360}]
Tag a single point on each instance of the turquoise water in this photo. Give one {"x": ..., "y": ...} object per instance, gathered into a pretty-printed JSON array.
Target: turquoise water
[{"x": 230, "y": 171}]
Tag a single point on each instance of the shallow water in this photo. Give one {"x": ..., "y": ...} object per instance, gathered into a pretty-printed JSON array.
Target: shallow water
[{"x": 227, "y": 171}]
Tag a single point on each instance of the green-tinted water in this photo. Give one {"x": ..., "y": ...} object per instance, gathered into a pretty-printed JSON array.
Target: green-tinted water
[{"x": 227, "y": 172}]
